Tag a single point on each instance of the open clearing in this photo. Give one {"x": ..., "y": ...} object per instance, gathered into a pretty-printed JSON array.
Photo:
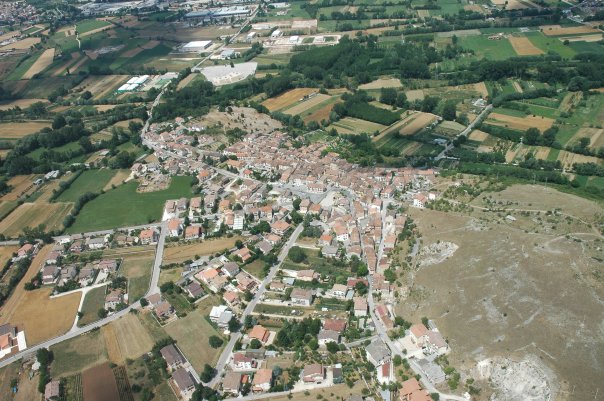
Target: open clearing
[
  {"x": 382, "y": 83},
  {"x": 180, "y": 253},
  {"x": 94, "y": 300},
  {"x": 21, "y": 103},
  {"x": 288, "y": 98},
  {"x": 126, "y": 338},
  {"x": 321, "y": 114},
  {"x": 19, "y": 130},
  {"x": 100, "y": 86},
  {"x": 6, "y": 253},
  {"x": 192, "y": 333},
  {"x": 524, "y": 47},
  {"x": 117, "y": 179},
  {"x": 595, "y": 135},
  {"x": 418, "y": 122},
  {"x": 41, "y": 63},
  {"x": 137, "y": 268},
  {"x": 568, "y": 159},
  {"x": 557, "y": 30},
  {"x": 34, "y": 214},
  {"x": 414, "y": 94},
  {"x": 520, "y": 287},
  {"x": 22, "y": 44},
  {"x": 520, "y": 123}
]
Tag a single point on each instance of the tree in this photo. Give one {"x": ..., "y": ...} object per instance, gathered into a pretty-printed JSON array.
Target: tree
[
  {"x": 215, "y": 341},
  {"x": 449, "y": 111},
  {"x": 59, "y": 122},
  {"x": 296, "y": 203},
  {"x": 397, "y": 360},
  {"x": 296, "y": 254},
  {"x": 362, "y": 270},
  {"x": 234, "y": 325},
  {"x": 207, "y": 374},
  {"x": 532, "y": 136},
  {"x": 388, "y": 96},
  {"x": 102, "y": 313},
  {"x": 332, "y": 347},
  {"x": 255, "y": 344}
]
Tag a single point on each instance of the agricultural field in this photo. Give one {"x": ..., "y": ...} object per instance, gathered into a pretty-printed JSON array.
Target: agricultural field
[
  {"x": 93, "y": 301},
  {"x": 521, "y": 123},
  {"x": 557, "y": 30},
  {"x": 21, "y": 103},
  {"x": 382, "y": 83},
  {"x": 416, "y": 122},
  {"x": 548, "y": 43},
  {"x": 307, "y": 105},
  {"x": 101, "y": 86},
  {"x": 180, "y": 253},
  {"x": 45, "y": 59},
  {"x": 6, "y": 253},
  {"x": 91, "y": 26},
  {"x": 21, "y": 185},
  {"x": 18, "y": 130},
  {"x": 126, "y": 338},
  {"x": 51, "y": 215},
  {"x": 137, "y": 208},
  {"x": 288, "y": 98},
  {"x": 351, "y": 125},
  {"x": 100, "y": 384},
  {"x": 88, "y": 181},
  {"x": 192, "y": 333},
  {"x": 524, "y": 47},
  {"x": 484, "y": 47}
]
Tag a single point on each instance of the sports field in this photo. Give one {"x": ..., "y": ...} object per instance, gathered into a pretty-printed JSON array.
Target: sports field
[
  {"x": 33, "y": 214},
  {"x": 124, "y": 206}
]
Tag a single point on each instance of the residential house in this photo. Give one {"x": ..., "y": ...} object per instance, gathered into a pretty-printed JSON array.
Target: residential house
[
  {"x": 25, "y": 250},
  {"x": 339, "y": 291},
  {"x": 303, "y": 297},
  {"x": 231, "y": 383},
  {"x": 263, "y": 380},
  {"x": 230, "y": 269},
  {"x": 108, "y": 266},
  {"x": 49, "y": 274},
  {"x": 329, "y": 251},
  {"x": 174, "y": 227},
  {"x": 174, "y": 359},
  {"x": 241, "y": 361},
  {"x": 337, "y": 325},
  {"x": 164, "y": 310},
  {"x": 313, "y": 373},
  {"x": 259, "y": 333},
  {"x": 114, "y": 298},
  {"x": 193, "y": 232},
  {"x": 280, "y": 227},
  {"x": 412, "y": 391},
  {"x": 231, "y": 298},
  {"x": 245, "y": 282},
  {"x": 53, "y": 258},
  {"x": 418, "y": 334},
  {"x": 328, "y": 336},
  {"x": 378, "y": 353},
  {"x": 307, "y": 275},
  {"x": 95, "y": 243},
  {"x": 86, "y": 276},
  {"x": 264, "y": 246},
  {"x": 420, "y": 201},
  {"x": 194, "y": 290},
  {"x": 184, "y": 382},
  {"x": 244, "y": 254},
  {"x": 360, "y": 306}
]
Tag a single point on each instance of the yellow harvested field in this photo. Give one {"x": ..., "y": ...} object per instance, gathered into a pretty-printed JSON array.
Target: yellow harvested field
[
  {"x": 288, "y": 98},
  {"x": 126, "y": 338},
  {"x": 6, "y": 253},
  {"x": 557, "y": 30},
  {"x": 321, "y": 114},
  {"x": 19, "y": 130},
  {"x": 419, "y": 121},
  {"x": 34, "y": 214},
  {"x": 415, "y": 94},
  {"x": 307, "y": 104},
  {"x": 351, "y": 125},
  {"x": 117, "y": 179},
  {"x": 23, "y": 44},
  {"x": 582, "y": 38},
  {"x": 180, "y": 253},
  {"x": 186, "y": 81},
  {"x": 568, "y": 159},
  {"x": 475, "y": 7},
  {"x": 92, "y": 32},
  {"x": 41, "y": 63},
  {"x": 570, "y": 99},
  {"x": 22, "y": 103},
  {"x": 423, "y": 13},
  {"x": 478, "y": 135},
  {"x": 517, "y": 87},
  {"x": 20, "y": 185},
  {"x": 8, "y": 35},
  {"x": 382, "y": 83},
  {"x": 481, "y": 88},
  {"x": 100, "y": 85},
  {"x": 520, "y": 123},
  {"x": 523, "y": 46}
]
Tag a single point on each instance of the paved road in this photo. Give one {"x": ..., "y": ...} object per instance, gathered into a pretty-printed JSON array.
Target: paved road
[
  {"x": 465, "y": 132},
  {"x": 159, "y": 255},
  {"x": 226, "y": 353}
]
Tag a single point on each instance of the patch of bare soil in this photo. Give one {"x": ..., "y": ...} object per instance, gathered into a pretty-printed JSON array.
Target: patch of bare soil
[{"x": 437, "y": 252}]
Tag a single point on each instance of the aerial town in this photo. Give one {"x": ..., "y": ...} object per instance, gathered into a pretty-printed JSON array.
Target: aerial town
[{"x": 351, "y": 201}]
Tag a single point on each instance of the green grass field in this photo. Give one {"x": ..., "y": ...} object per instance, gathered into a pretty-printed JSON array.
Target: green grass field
[
  {"x": 489, "y": 49},
  {"x": 77, "y": 354},
  {"x": 124, "y": 206},
  {"x": 587, "y": 47},
  {"x": 64, "y": 148},
  {"x": 550, "y": 44},
  {"x": 137, "y": 268},
  {"x": 22, "y": 68},
  {"x": 192, "y": 333},
  {"x": 90, "y": 25},
  {"x": 88, "y": 181},
  {"x": 94, "y": 300}
]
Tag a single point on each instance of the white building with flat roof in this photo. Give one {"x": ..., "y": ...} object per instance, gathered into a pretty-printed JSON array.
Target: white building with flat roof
[{"x": 197, "y": 46}]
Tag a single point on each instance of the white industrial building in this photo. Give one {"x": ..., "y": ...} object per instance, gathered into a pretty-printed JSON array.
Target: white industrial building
[{"x": 197, "y": 46}]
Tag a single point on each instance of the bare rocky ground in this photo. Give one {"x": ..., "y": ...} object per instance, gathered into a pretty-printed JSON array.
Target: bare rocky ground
[
  {"x": 515, "y": 291},
  {"x": 244, "y": 118}
]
